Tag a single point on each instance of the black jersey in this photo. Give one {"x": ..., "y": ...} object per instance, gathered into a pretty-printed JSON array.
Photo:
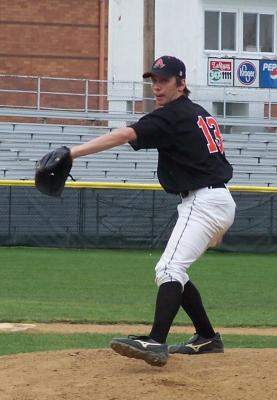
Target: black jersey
[{"x": 189, "y": 144}]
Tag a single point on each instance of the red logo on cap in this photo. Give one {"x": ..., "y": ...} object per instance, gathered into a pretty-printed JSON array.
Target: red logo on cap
[{"x": 159, "y": 64}]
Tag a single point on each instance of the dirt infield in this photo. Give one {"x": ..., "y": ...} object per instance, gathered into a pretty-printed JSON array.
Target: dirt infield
[
  {"x": 238, "y": 374},
  {"x": 104, "y": 375}
]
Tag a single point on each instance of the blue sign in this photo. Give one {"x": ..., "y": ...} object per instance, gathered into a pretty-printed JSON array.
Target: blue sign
[
  {"x": 268, "y": 74},
  {"x": 247, "y": 73}
]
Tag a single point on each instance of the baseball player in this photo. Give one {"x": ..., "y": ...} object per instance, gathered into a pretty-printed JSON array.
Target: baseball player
[{"x": 192, "y": 165}]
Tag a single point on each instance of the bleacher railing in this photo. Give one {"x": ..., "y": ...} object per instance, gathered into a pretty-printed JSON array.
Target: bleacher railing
[
  {"x": 67, "y": 94},
  {"x": 72, "y": 98}
]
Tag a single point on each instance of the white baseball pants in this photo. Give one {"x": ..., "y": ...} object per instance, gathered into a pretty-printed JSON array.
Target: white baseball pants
[{"x": 204, "y": 216}]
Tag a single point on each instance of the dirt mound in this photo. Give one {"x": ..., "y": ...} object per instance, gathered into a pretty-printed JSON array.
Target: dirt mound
[
  {"x": 104, "y": 375},
  {"x": 240, "y": 374}
]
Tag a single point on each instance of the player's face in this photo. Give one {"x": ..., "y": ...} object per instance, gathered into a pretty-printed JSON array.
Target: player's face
[{"x": 166, "y": 90}]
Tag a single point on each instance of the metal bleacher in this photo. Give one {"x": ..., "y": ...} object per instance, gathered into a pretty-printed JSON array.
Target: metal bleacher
[
  {"x": 252, "y": 155},
  {"x": 251, "y": 151},
  {"x": 22, "y": 145}
]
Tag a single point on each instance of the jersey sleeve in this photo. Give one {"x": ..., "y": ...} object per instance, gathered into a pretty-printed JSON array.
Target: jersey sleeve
[{"x": 155, "y": 130}]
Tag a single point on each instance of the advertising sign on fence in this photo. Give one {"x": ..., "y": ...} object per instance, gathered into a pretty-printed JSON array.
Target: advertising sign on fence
[
  {"x": 220, "y": 71},
  {"x": 268, "y": 74},
  {"x": 246, "y": 73}
]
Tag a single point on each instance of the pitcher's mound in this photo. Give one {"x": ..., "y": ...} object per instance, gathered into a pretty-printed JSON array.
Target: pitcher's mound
[{"x": 104, "y": 375}]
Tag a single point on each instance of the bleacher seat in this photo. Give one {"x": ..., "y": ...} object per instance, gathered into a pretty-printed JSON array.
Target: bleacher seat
[{"x": 252, "y": 155}]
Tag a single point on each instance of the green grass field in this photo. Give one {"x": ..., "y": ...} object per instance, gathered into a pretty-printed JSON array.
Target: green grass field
[
  {"x": 27, "y": 342},
  {"x": 113, "y": 286}
]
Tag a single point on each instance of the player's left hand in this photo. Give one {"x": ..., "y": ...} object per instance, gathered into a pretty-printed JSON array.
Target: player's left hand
[{"x": 52, "y": 171}]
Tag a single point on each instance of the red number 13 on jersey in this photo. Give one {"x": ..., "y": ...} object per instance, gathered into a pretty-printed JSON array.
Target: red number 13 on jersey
[{"x": 213, "y": 144}]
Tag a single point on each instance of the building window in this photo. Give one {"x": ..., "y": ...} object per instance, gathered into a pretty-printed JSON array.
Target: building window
[
  {"x": 230, "y": 109},
  {"x": 266, "y": 36},
  {"x": 220, "y": 30},
  {"x": 258, "y": 32},
  {"x": 228, "y": 31}
]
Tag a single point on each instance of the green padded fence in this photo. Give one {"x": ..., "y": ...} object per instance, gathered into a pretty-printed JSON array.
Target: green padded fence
[{"x": 108, "y": 215}]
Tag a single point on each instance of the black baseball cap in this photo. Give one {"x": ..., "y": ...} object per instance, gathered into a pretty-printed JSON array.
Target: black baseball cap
[{"x": 167, "y": 66}]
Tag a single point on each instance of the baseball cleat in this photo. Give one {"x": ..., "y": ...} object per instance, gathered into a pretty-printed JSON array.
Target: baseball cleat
[
  {"x": 143, "y": 348},
  {"x": 198, "y": 345}
]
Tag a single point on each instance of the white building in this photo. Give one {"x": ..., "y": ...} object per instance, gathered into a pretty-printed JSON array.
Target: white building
[{"x": 222, "y": 43}]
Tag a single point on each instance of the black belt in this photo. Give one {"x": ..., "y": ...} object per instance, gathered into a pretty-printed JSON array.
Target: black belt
[{"x": 216, "y": 186}]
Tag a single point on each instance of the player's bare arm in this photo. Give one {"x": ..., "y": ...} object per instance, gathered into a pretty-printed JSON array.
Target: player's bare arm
[{"x": 109, "y": 140}]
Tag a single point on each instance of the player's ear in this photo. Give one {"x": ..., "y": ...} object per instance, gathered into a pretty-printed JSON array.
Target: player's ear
[{"x": 181, "y": 84}]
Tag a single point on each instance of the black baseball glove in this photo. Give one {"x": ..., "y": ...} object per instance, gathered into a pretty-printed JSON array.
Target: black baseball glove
[{"x": 52, "y": 171}]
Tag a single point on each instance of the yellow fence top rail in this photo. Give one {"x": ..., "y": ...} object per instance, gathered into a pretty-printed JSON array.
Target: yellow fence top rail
[{"x": 121, "y": 185}]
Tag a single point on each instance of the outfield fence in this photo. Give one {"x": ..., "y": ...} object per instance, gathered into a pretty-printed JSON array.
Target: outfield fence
[{"x": 119, "y": 215}]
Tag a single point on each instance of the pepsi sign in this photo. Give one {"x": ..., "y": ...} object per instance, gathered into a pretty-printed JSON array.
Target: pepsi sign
[
  {"x": 268, "y": 73},
  {"x": 247, "y": 73}
]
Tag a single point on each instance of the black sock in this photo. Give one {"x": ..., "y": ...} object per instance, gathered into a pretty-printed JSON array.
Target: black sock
[
  {"x": 167, "y": 305},
  {"x": 193, "y": 306}
]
